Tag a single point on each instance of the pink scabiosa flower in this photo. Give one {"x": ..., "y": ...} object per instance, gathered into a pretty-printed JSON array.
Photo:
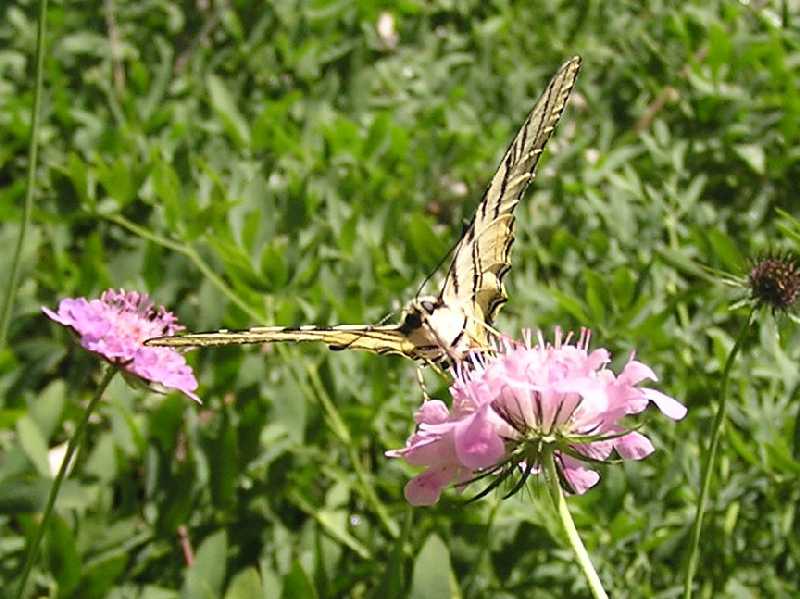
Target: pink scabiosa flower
[
  {"x": 512, "y": 405},
  {"x": 115, "y": 327}
]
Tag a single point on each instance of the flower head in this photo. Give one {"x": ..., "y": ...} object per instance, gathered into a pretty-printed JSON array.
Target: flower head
[
  {"x": 510, "y": 407},
  {"x": 774, "y": 281},
  {"x": 115, "y": 327}
]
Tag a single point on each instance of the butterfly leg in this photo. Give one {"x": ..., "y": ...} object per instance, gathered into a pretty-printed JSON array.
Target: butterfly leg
[{"x": 421, "y": 380}]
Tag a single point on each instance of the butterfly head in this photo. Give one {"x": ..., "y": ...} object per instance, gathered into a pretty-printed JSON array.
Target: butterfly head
[{"x": 417, "y": 312}]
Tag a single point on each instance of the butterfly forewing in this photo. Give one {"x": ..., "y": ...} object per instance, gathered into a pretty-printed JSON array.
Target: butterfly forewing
[
  {"x": 380, "y": 339},
  {"x": 482, "y": 256}
]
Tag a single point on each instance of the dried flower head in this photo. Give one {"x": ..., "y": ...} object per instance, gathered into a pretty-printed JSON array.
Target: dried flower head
[
  {"x": 510, "y": 407},
  {"x": 774, "y": 281},
  {"x": 115, "y": 327}
]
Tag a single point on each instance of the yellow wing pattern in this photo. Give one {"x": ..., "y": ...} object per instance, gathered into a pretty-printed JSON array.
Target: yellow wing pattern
[
  {"x": 381, "y": 339},
  {"x": 482, "y": 256}
]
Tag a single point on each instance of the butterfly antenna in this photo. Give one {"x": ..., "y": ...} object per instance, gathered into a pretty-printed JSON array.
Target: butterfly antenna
[
  {"x": 386, "y": 318},
  {"x": 443, "y": 259}
]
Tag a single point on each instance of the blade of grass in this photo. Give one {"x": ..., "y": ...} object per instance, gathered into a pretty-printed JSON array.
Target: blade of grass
[{"x": 33, "y": 156}]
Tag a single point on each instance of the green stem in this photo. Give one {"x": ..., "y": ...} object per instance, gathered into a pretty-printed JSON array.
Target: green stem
[
  {"x": 557, "y": 495},
  {"x": 72, "y": 447},
  {"x": 33, "y": 156},
  {"x": 711, "y": 456}
]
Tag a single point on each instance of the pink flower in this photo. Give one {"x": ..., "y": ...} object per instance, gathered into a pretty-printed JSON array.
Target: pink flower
[
  {"x": 116, "y": 325},
  {"x": 509, "y": 405}
]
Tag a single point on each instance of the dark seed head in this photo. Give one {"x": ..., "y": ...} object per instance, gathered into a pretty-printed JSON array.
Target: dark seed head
[{"x": 775, "y": 281}]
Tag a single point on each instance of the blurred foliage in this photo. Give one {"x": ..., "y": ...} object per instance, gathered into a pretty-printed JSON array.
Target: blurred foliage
[{"x": 286, "y": 162}]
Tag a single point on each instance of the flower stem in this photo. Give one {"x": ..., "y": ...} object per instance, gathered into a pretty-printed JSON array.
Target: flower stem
[
  {"x": 33, "y": 154},
  {"x": 72, "y": 447},
  {"x": 557, "y": 495},
  {"x": 711, "y": 456}
]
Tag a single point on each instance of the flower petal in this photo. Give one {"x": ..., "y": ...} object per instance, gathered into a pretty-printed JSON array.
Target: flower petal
[
  {"x": 670, "y": 407},
  {"x": 477, "y": 443},
  {"x": 597, "y": 450},
  {"x": 581, "y": 479},
  {"x": 633, "y": 446},
  {"x": 433, "y": 411},
  {"x": 635, "y": 372},
  {"x": 426, "y": 488}
]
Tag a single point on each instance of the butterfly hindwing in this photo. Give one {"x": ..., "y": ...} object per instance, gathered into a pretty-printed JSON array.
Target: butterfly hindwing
[{"x": 482, "y": 256}]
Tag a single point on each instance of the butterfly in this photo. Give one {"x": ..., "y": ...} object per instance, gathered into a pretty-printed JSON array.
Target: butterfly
[{"x": 441, "y": 328}]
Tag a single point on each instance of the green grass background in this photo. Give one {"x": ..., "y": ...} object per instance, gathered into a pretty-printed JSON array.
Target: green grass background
[{"x": 320, "y": 174}]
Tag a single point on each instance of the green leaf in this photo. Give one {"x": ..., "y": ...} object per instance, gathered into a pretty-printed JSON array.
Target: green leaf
[
  {"x": 205, "y": 577},
  {"x": 78, "y": 172},
  {"x": 570, "y": 305},
  {"x": 102, "y": 462},
  {"x": 297, "y": 584},
  {"x": 118, "y": 180},
  {"x": 726, "y": 250},
  {"x": 224, "y": 105},
  {"x": 245, "y": 585},
  {"x": 432, "y": 574},
  {"x": 21, "y": 496},
  {"x": 33, "y": 444},
  {"x": 427, "y": 245},
  {"x": 102, "y": 572},
  {"x": 753, "y": 155},
  {"x": 273, "y": 264},
  {"x": 168, "y": 189},
  {"x": 62, "y": 555},
  {"x": 223, "y": 460},
  {"x": 47, "y": 408}
]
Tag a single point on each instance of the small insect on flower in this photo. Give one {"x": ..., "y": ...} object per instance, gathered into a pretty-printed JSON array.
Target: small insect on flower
[
  {"x": 115, "y": 327},
  {"x": 774, "y": 281},
  {"x": 512, "y": 407}
]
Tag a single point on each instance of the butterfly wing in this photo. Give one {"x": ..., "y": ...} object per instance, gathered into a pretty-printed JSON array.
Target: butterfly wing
[
  {"x": 482, "y": 256},
  {"x": 474, "y": 279},
  {"x": 380, "y": 339}
]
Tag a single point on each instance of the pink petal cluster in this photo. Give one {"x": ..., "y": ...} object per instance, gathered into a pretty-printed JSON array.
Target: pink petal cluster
[
  {"x": 115, "y": 327},
  {"x": 559, "y": 393}
]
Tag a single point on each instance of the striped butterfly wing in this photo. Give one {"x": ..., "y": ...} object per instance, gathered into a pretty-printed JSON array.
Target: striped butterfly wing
[
  {"x": 482, "y": 256},
  {"x": 481, "y": 259},
  {"x": 380, "y": 339}
]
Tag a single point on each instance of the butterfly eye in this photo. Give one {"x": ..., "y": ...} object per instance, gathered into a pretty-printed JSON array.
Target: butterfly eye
[
  {"x": 412, "y": 321},
  {"x": 428, "y": 306}
]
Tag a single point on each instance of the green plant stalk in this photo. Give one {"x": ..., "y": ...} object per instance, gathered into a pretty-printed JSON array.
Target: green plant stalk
[
  {"x": 560, "y": 503},
  {"x": 72, "y": 447},
  {"x": 33, "y": 156},
  {"x": 711, "y": 456}
]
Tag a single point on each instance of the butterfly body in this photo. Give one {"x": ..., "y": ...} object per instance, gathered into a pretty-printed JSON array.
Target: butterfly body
[
  {"x": 443, "y": 327},
  {"x": 440, "y": 329}
]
